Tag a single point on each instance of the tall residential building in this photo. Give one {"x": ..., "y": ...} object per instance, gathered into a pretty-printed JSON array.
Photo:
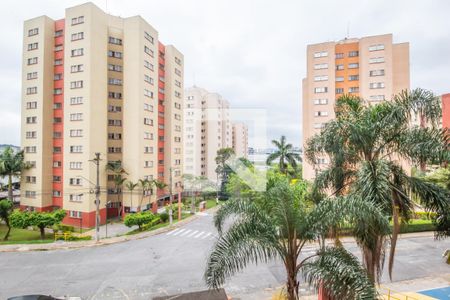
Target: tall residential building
[
  {"x": 446, "y": 111},
  {"x": 373, "y": 68},
  {"x": 207, "y": 129},
  {"x": 240, "y": 139},
  {"x": 93, "y": 82}
]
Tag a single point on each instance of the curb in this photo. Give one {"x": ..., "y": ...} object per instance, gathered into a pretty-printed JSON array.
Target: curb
[{"x": 88, "y": 244}]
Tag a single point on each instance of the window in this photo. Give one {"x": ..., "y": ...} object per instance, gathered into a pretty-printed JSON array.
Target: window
[
  {"x": 320, "y": 90},
  {"x": 57, "y": 120},
  {"x": 339, "y": 55},
  {"x": 148, "y": 79},
  {"x": 178, "y": 83},
  {"x": 339, "y": 78},
  {"x": 114, "y": 150},
  {"x": 115, "y": 95},
  {"x": 32, "y": 46},
  {"x": 114, "y": 81},
  {"x": 75, "y": 198},
  {"x": 339, "y": 67},
  {"x": 148, "y": 93},
  {"x": 148, "y": 107},
  {"x": 112, "y": 122},
  {"x": 33, "y": 31},
  {"x": 177, "y": 61},
  {"x": 114, "y": 136},
  {"x": 320, "y": 66},
  {"x": 75, "y": 181},
  {"x": 321, "y": 78},
  {"x": 31, "y": 120},
  {"x": 376, "y": 98},
  {"x": 77, "y": 52},
  {"x": 76, "y": 68},
  {"x": 57, "y": 134},
  {"x": 339, "y": 90},
  {"x": 353, "y": 54},
  {"x": 148, "y": 37},
  {"x": 76, "y": 132},
  {"x": 148, "y": 164},
  {"x": 115, "y": 54},
  {"x": 32, "y": 105},
  {"x": 318, "y": 125},
  {"x": 75, "y": 165},
  {"x": 177, "y": 139},
  {"x": 32, "y": 75},
  {"x": 374, "y": 73},
  {"x": 56, "y": 178},
  {"x": 148, "y": 65},
  {"x": 58, "y": 48},
  {"x": 77, "y": 36},
  {"x": 320, "y": 114},
  {"x": 353, "y": 66},
  {"x": 148, "y": 149},
  {"x": 113, "y": 108},
  {"x": 354, "y": 89},
  {"x": 377, "y": 85},
  {"x": 57, "y": 91},
  {"x": 30, "y": 149},
  {"x": 76, "y": 149},
  {"x": 30, "y": 194},
  {"x": 148, "y": 136},
  {"x": 353, "y": 77},
  {"x": 57, "y": 150},
  {"x": 177, "y": 94},
  {"x": 376, "y": 60},
  {"x": 376, "y": 47},
  {"x": 30, "y": 134},
  {"x": 77, "y": 20},
  {"x": 76, "y": 100},
  {"x": 115, "y": 41},
  {"x": 76, "y": 84},
  {"x": 148, "y": 51},
  {"x": 32, "y": 61},
  {"x": 58, "y": 62},
  {"x": 115, "y": 68},
  {"x": 320, "y": 54},
  {"x": 178, "y": 72},
  {"x": 58, "y": 33},
  {"x": 76, "y": 117},
  {"x": 321, "y": 161},
  {"x": 76, "y": 214},
  {"x": 56, "y": 193},
  {"x": 57, "y": 164},
  {"x": 31, "y": 90},
  {"x": 177, "y": 105},
  {"x": 320, "y": 101},
  {"x": 58, "y": 76},
  {"x": 148, "y": 121}
]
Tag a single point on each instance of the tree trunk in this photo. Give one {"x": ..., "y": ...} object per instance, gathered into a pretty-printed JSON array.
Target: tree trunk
[
  {"x": 42, "y": 230},
  {"x": 292, "y": 285},
  {"x": 10, "y": 192},
  {"x": 395, "y": 232},
  {"x": 5, "y": 238},
  {"x": 192, "y": 205}
]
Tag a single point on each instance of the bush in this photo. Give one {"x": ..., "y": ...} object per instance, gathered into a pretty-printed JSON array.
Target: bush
[
  {"x": 138, "y": 219},
  {"x": 63, "y": 228},
  {"x": 417, "y": 226},
  {"x": 79, "y": 238},
  {"x": 164, "y": 217},
  {"x": 423, "y": 215},
  {"x": 152, "y": 223}
]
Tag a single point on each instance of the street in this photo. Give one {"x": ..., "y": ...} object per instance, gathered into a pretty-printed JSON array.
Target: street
[{"x": 168, "y": 263}]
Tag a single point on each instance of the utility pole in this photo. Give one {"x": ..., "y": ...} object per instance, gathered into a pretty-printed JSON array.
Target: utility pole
[
  {"x": 97, "y": 198},
  {"x": 170, "y": 199}
]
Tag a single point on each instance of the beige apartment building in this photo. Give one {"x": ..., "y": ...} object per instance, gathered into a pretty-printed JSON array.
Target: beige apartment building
[
  {"x": 373, "y": 68},
  {"x": 207, "y": 128},
  {"x": 240, "y": 139},
  {"x": 94, "y": 82}
]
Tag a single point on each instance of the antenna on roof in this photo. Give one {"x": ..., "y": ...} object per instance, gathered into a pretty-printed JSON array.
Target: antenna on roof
[
  {"x": 194, "y": 78},
  {"x": 106, "y": 1},
  {"x": 348, "y": 30}
]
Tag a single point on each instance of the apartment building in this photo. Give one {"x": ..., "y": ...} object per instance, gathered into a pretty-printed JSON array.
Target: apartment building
[
  {"x": 240, "y": 139},
  {"x": 94, "y": 82},
  {"x": 207, "y": 129},
  {"x": 445, "y": 110},
  {"x": 373, "y": 68}
]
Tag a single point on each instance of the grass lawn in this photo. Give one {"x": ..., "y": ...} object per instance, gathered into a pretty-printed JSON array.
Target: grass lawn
[
  {"x": 417, "y": 225},
  {"x": 160, "y": 225},
  {"x": 23, "y": 236}
]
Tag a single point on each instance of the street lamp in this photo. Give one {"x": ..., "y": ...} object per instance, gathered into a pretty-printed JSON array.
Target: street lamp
[{"x": 106, "y": 223}]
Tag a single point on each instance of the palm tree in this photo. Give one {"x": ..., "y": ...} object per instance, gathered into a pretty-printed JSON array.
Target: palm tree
[
  {"x": 131, "y": 186},
  {"x": 160, "y": 186},
  {"x": 284, "y": 154},
  {"x": 278, "y": 226},
  {"x": 366, "y": 145},
  {"x": 146, "y": 186},
  {"x": 440, "y": 177},
  {"x": 118, "y": 171},
  {"x": 12, "y": 164}
]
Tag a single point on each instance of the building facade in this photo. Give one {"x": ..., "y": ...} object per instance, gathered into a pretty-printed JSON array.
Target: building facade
[
  {"x": 207, "y": 129},
  {"x": 445, "y": 110},
  {"x": 92, "y": 83},
  {"x": 240, "y": 139},
  {"x": 373, "y": 68}
]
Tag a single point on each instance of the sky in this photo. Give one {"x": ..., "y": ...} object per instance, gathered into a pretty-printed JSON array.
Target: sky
[{"x": 251, "y": 52}]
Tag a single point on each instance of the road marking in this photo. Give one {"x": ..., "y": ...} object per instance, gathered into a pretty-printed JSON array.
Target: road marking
[
  {"x": 198, "y": 235},
  {"x": 192, "y": 233},
  {"x": 209, "y": 233},
  {"x": 173, "y": 231},
  {"x": 186, "y": 232},
  {"x": 181, "y": 230}
]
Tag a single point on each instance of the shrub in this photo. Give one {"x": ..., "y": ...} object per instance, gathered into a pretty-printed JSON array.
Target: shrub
[
  {"x": 423, "y": 215},
  {"x": 156, "y": 220},
  {"x": 138, "y": 219},
  {"x": 63, "y": 228},
  {"x": 164, "y": 217},
  {"x": 79, "y": 238}
]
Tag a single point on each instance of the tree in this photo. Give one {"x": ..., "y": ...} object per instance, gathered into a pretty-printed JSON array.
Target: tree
[
  {"x": 284, "y": 154},
  {"x": 139, "y": 219},
  {"x": 6, "y": 207},
  {"x": 12, "y": 164},
  {"x": 23, "y": 219},
  {"x": 278, "y": 225},
  {"x": 118, "y": 171},
  {"x": 147, "y": 189},
  {"x": 440, "y": 177},
  {"x": 366, "y": 145},
  {"x": 223, "y": 169},
  {"x": 131, "y": 186}
]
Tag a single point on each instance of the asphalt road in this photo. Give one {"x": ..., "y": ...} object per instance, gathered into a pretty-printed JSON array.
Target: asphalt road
[{"x": 169, "y": 263}]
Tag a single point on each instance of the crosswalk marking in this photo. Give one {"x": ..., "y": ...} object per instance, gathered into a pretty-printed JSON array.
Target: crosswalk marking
[
  {"x": 173, "y": 231},
  {"x": 192, "y": 233},
  {"x": 181, "y": 230},
  {"x": 209, "y": 233},
  {"x": 186, "y": 232},
  {"x": 199, "y": 235}
]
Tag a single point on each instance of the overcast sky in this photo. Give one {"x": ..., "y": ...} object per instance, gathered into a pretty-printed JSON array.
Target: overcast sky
[{"x": 251, "y": 52}]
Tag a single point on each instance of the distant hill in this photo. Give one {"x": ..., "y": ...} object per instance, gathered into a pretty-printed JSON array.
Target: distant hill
[{"x": 3, "y": 146}]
